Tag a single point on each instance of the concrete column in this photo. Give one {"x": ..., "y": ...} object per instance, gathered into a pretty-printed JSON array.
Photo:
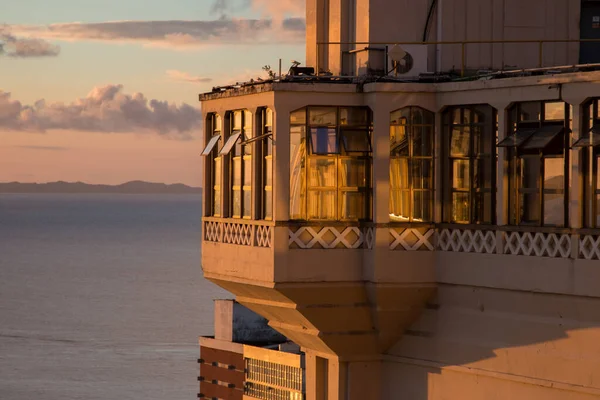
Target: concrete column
[
  {"x": 281, "y": 163},
  {"x": 381, "y": 164}
]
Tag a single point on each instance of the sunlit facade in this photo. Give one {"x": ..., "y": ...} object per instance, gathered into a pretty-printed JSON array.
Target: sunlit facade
[{"x": 432, "y": 236}]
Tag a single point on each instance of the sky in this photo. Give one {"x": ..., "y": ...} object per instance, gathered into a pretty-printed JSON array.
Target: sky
[{"x": 106, "y": 91}]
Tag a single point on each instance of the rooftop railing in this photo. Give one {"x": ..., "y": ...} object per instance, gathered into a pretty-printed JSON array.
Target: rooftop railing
[{"x": 464, "y": 46}]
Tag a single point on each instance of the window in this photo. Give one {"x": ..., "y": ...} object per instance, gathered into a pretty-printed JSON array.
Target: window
[
  {"x": 411, "y": 165},
  {"x": 240, "y": 163},
  {"x": 470, "y": 164},
  {"x": 214, "y": 127},
  {"x": 330, "y": 164},
  {"x": 589, "y": 144},
  {"x": 538, "y": 163},
  {"x": 267, "y": 163}
]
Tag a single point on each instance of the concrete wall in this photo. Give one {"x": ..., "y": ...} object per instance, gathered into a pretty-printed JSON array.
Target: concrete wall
[{"x": 454, "y": 20}]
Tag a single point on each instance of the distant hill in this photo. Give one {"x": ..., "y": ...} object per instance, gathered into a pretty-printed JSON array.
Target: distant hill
[{"x": 133, "y": 187}]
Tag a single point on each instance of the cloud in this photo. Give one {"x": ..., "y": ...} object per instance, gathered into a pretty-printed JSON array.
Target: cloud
[
  {"x": 104, "y": 109},
  {"x": 185, "y": 77},
  {"x": 18, "y": 47},
  {"x": 276, "y": 10},
  {"x": 175, "y": 34}
]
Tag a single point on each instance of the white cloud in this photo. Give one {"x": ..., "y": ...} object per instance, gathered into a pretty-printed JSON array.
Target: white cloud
[
  {"x": 104, "y": 109},
  {"x": 13, "y": 46},
  {"x": 186, "y": 77}
]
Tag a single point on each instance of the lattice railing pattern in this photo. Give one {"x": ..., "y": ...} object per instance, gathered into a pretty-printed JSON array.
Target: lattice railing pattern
[
  {"x": 328, "y": 237},
  {"x": 412, "y": 239},
  {"x": 467, "y": 241},
  {"x": 538, "y": 244},
  {"x": 272, "y": 381},
  {"x": 239, "y": 233},
  {"x": 589, "y": 247}
]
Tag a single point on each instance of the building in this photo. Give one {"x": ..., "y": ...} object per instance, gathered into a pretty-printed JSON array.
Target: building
[{"x": 420, "y": 211}]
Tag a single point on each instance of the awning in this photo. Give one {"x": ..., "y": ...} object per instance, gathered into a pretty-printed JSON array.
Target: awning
[
  {"x": 518, "y": 138},
  {"x": 592, "y": 139},
  {"x": 229, "y": 144},
  {"x": 211, "y": 145}
]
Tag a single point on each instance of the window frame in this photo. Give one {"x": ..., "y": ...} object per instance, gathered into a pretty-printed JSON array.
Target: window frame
[
  {"x": 517, "y": 153},
  {"x": 309, "y": 156},
  {"x": 411, "y": 160},
  {"x": 591, "y": 163},
  {"x": 214, "y": 165},
  {"x": 240, "y": 153},
  {"x": 473, "y": 157}
]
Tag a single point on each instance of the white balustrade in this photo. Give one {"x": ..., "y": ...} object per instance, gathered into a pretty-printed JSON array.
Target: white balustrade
[
  {"x": 329, "y": 237},
  {"x": 589, "y": 247},
  {"x": 242, "y": 233},
  {"x": 538, "y": 244},
  {"x": 467, "y": 241},
  {"x": 412, "y": 239}
]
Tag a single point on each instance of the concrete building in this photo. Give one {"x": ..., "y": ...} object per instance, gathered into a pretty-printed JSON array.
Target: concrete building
[{"x": 420, "y": 211}]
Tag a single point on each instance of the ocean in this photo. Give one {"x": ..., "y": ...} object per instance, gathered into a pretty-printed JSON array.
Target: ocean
[{"x": 101, "y": 297}]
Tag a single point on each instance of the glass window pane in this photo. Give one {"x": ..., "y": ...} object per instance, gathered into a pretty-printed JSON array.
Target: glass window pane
[
  {"x": 217, "y": 202},
  {"x": 324, "y": 141},
  {"x": 268, "y": 171},
  {"x": 354, "y": 116},
  {"x": 421, "y": 116},
  {"x": 459, "y": 142},
  {"x": 399, "y": 173},
  {"x": 322, "y": 172},
  {"x": 597, "y": 173},
  {"x": 356, "y": 140},
  {"x": 247, "y": 203},
  {"x": 400, "y": 205},
  {"x": 460, "y": 174},
  {"x": 218, "y": 123},
  {"x": 530, "y": 208},
  {"x": 597, "y": 211},
  {"x": 422, "y": 140},
  {"x": 399, "y": 140},
  {"x": 321, "y": 204},
  {"x": 237, "y": 121},
  {"x": 211, "y": 145},
  {"x": 530, "y": 111},
  {"x": 456, "y": 116},
  {"x": 483, "y": 139},
  {"x": 297, "y": 176},
  {"x": 422, "y": 206},
  {"x": 482, "y": 174},
  {"x": 268, "y": 208},
  {"x": 400, "y": 117},
  {"x": 482, "y": 207},
  {"x": 543, "y": 137},
  {"x": 422, "y": 174},
  {"x": 217, "y": 171},
  {"x": 467, "y": 117},
  {"x": 230, "y": 143},
  {"x": 460, "y": 207},
  {"x": 530, "y": 172},
  {"x": 237, "y": 203},
  {"x": 298, "y": 117},
  {"x": 353, "y": 173},
  {"x": 322, "y": 116},
  {"x": 554, "y": 209},
  {"x": 554, "y": 173},
  {"x": 554, "y": 111},
  {"x": 269, "y": 117},
  {"x": 237, "y": 171},
  {"x": 248, "y": 171},
  {"x": 353, "y": 205},
  {"x": 248, "y": 127}
]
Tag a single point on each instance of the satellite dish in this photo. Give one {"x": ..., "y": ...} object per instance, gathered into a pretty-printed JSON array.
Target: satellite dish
[{"x": 402, "y": 62}]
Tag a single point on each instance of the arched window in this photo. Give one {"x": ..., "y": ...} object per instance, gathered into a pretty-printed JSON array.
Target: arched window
[
  {"x": 411, "y": 165},
  {"x": 538, "y": 163},
  {"x": 589, "y": 143},
  {"x": 240, "y": 163},
  {"x": 470, "y": 164},
  {"x": 330, "y": 164},
  {"x": 213, "y": 136}
]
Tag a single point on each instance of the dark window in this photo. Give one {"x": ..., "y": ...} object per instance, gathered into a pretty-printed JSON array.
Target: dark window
[
  {"x": 214, "y": 129},
  {"x": 589, "y": 145},
  {"x": 538, "y": 162},
  {"x": 240, "y": 156},
  {"x": 470, "y": 164},
  {"x": 331, "y": 178},
  {"x": 411, "y": 165}
]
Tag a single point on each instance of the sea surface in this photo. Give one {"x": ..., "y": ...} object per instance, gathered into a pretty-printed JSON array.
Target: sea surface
[{"x": 101, "y": 297}]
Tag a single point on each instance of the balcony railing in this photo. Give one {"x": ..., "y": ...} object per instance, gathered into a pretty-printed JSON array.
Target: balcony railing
[
  {"x": 509, "y": 240},
  {"x": 536, "y": 46},
  {"x": 238, "y": 231},
  {"x": 273, "y": 375}
]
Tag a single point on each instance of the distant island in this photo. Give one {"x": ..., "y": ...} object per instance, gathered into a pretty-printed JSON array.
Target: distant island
[{"x": 133, "y": 187}]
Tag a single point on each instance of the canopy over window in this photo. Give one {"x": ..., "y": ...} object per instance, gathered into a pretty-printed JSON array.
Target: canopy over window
[
  {"x": 533, "y": 138},
  {"x": 211, "y": 145},
  {"x": 230, "y": 143},
  {"x": 592, "y": 139}
]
